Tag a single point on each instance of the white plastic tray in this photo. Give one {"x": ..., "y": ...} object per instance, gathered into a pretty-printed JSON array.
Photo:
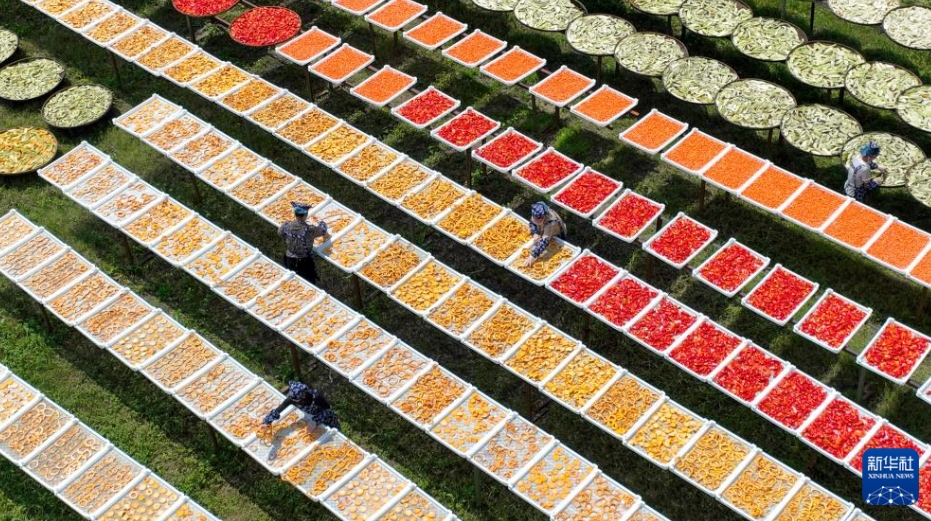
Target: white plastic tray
[
  {"x": 370, "y": 18},
  {"x": 719, "y": 155},
  {"x": 817, "y": 414},
  {"x": 633, "y": 103},
  {"x": 653, "y": 151},
  {"x": 516, "y": 172},
  {"x": 314, "y": 29},
  {"x": 518, "y": 79},
  {"x": 824, "y": 296},
  {"x": 339, "y": 81},
  {"x": 627, "y": 193},
  {"x": 516, "y": 164},
  {"x": 443, "y": 41},
  {"x": 513, "y": 263},
  {"x": 648, "y": 245},
  {"x": 659, "y": 295},
  {"x": 420, "y": 126},
  {"x": 84, "y": 146},
  {"x": 412, "y": 80},
  {"x": 745, "y": 301},
  {"x": 533, "y": 90},
  {"x": 436, "y": 132},
  {"x": 730, "y": 294},
  {"x": 501, "y": 44},
  {"x": 861, "y": 358},
  {"x": 587, "y": 215}
]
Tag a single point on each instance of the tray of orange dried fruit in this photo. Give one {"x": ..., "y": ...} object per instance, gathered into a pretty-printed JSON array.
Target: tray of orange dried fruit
[
  {"x": 280, "y": 444},
  {"x": 22, "y": 434},
  {"x": 355, "y": 246},
  {"x": 15, "y": 397},
  {"x": 184, "y": 358},
  {"x": 239, "y": 420},
  {"x": 503, "y": 328},
  {"x": 147, "y": 116},
  {"x": 419, "y": 290},
  {"x": 241, "y": 286},
  {"x": 14, "y": 228},
  {"x": 29, "y": 254},
  {"x": 326, "y": 465},
  {"x": 390, "y": 370},
  {"x": 220, "y": 259},
  {"x": 284, "y": 300},
  {"x": 415, "y": 505},
  {"x": 350, "y": 350},
  {"x": 55, "y": 463},
  {"x": 79, "y": 162},
  {"x": 215, "y": 385},
  {"x": 367, "y": 492},
  {"x": 121, "y": 207},
  {"x": 159, "y": 219},
  {"x": 556, "y": 256},
  {"x": 601, "y": 498},
  {"x": 188, "y": 510},
  {"x": 429, "y": 396},
  {"x": 100, "y": 185},
  {"x": 139, "y": 344},
  {"x": 465, "y": 427},
  {"x": 620, "y": 406},
  {"x": 711, "y": 458},
  {"x": 94, "y": 487},
  {"x": 509, "y": 450},
  {"x": 150, "y": 498},
  {"x": 186, "y": 241},
  {"x": 462, "y": 308},
  {"x": 83, "y": 297},
  {"x": 579, "y": 379},
  {"x": 463, "y": 221},
  {"x": 120, "y": 315},
  {"x": 539, "y": 354},
  {"x": 319, "y": 323},
  {"x": 662, "y": 435},
  {"x": 552, "y": 478},
  {"x": 431, "y": 200},
  {"x": 502, "y": 237},
  {"x": 262, "y": 186},
  {"x": 51, "y": 276},
  {"x": 392, "y": 263}
]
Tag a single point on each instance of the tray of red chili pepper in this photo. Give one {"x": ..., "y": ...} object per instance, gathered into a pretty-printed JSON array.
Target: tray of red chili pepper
[
  {"x": 883, "y": 436},
  {"x": 629, "y": 216},
  {"x": 680, "y": 241},
  {"x": 923, "y": 505},
  {"x": 832, "y": 321},
  {"x": 623, "y": 301},
  {"x": 792, "y": 401},
  {"x": 748, "y": 374},
  {"x": 895, "y": 352},
  {"x": 780, "y": 295},
  {"x": 465, "y": 130},
  {"x": 730, "y": 268},
  {"x": 663, "y": 324},
  {"x": 426, "y": 108},
  {"x": 836, "y": 428},
  {"x": 587, "y": 193},
  {"x": 547, "y": 170},
  {"x": 700, "y": 351},
  {"x": 265, "y": 26},
  {"x": 581, "y": 279},
  {"x": 507, "y": 150},
  {"x": 203, "y": 8}
]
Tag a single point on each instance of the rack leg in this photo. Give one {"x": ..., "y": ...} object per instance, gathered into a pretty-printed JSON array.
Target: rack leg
[
  {"x": 702, "y": 190},
  {"x": 782, "y": 10},
  {"x": 533, "y": 103},
  {"x": 811, "y": 20},
  {"x": 469, "y": 166},
  {"x": 922, "y": 300},
  {"x": 374, "y": 40},
  {"x": 861, "y": 382},
  {"x": 127, "y": 250},
  {"x": 190, "y": 28},
  {"x": 357, "y": 292},
  {"x": 528, "y": 401},
  {"x": 310, "y": 85},
  {"x": 296, "y": 361},
  {"x": 840, "y": 96},
  {"x": 197, "y": 197},
  {"x": 586, "y": 327},
  {"x": 213, "y": 437},
  {"x": 477, "y": 484},
  {"x": 45, "y": 318},
  {"x": 116, "y": 70},
  {"x": 598, "y": 63}
]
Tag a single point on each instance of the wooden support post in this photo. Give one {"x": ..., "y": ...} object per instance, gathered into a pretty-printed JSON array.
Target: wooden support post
[
  {"x": 533, "y": 102},
  {"x": 702, "y": 190},
  {"x": 310, "y": 85},
  {"x": 190, "y": 29},
  {"x": 374, "y": 40},
  {"x": 357, "y": 292},
  {"x": 296, "y": 361},
  {"x": 598, "y": 63},
  {"x": 727, "y": 197},
  {"x": 861, "y": 382},
  {"x": 197, "y": 197},
  {"x": 116, "y": 70},
  {"x": 811, "y": 21},
  {"x": 840, "y": 96},
  {"x": 528, "y": 401},
  {"x": 669, "y": 25},
  {"x": 586, "y": 327},
  {"x": 922, "y": 301},
  {"x": 477, "y": 485},
  {"x": 556, "y": 118},
  {"x": 470, "y": 164},
  {"x": 394, "y": 45},
  {"x": 45, "y": 319},
  {"x": 127, "y": 249},
  {"x": 213, "y": 437},
  {"x": 782, "y": 10}
]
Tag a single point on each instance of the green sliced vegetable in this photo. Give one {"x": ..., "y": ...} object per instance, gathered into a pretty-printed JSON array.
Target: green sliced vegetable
[
  {"x": 496, "y": 5},
  {"x": 919, "y": 182},
  {"x": 897, "y": 154},
  {"x": 598, "y": 34},
  {"x": 658, "y": 7},
  {"x": 908, "y": 26},
  {"x": 818, "y": 129},
  {"x": 767, "y": 38},
  {"x": 697, "y": 79},
  {"x": 713, "y": 17},
  {"x": 823, "y": 64},
  {"x": 547, "y": 15},
  {"x": 914, "y": 107},
  {"x": 26, "y": 149},
  {"x": 648, "y": 53},
  {"x": 77, "y": 106},
  {"x": 28, "y": 79},
  {"x": 8, "y": 44},
  {"x": 879, "y": 84},
  {"x": 864, "y": 12},
  {"x": 754, "y": 104}
]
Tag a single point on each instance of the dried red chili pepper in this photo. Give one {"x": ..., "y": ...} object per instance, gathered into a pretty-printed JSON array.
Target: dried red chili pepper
[
  {"x": 426, "y": 107},
  {"x": 781, "y": 294},
  {"x": 587, "y": 192},
  {"x": 680, "y": 239},
  {"x": 705, "y": 348},
  {"x": 507, "y": 149},
  {"x": 838, "y": 429},
  {"x": 548, "y": 169},
  {"x": 896, "y": 350},
  {"x": 466, "y": 128},
  {"x": 584, "y": 278},
  {"x": 660, "y": 327},
  {"x": 833, "y": 321},
  {"x": 265, "y": 26},
  {"x": 793, "y": 399},
  {"x": 630, "y": 215},
  {"x": 887, "y": 437},
  {"x": 731, "y": 267},
  {"x": 201, "y": 8},
  {"x": 623, "y": 301},
  {"x": 749, "y": 373}
]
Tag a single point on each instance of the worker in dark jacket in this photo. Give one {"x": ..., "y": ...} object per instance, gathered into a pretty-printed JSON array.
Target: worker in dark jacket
[
  {"x": 307, "y": 399},
  {"x": 299, "y": 237},
  {"x": 544, "y": 225}
]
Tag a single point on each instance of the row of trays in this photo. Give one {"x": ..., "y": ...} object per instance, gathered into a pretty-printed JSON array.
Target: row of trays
[
  {"x": 387, "y": 369},
  {"x": 571, "y": 374},
  {"x": 79, "y": 465}
]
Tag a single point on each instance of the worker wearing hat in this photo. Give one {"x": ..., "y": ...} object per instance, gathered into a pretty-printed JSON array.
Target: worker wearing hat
[
  {"x": 544, "y": 225},
  {"x": 860, "y": 180},
  {"x": 299, "y": 239},
  {"x": 309, "y": 400}
]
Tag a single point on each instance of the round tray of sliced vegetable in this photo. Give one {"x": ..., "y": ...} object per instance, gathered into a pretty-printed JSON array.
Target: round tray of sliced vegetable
[
  {"x": 717, "y": 18},
  {"x": 879, "y": 84},
  {"x": 914, "y": 107},
  {"x": 77, "y": 106},
  {"x": 657, "y": 7},
  {"x": 648, "y": 54},
  {"x": 897, "y": 154},
  {"x": 696, "y": 79},
  {"x": 598, "y": 34},
  {"x": 30, "y": 78},
  {"x": 918, "y": 181},
  {"x": 863, "y": 13},
  {"x": 8, "y": 44},
  {"x": 265, "y": 26},
  {"x": 496, "y": 5},
  {"x": 767, "y": 39},
  {"x": 203, "y": 8},
  {"x": 26, "y": 149},
  {"x": 818, "y": 129},
  {"x": 548, "y": 15},
  {"x": 754, "y": 104},
  {"x": 908, "y": 27},
  {"x": 823, "y": 64}
]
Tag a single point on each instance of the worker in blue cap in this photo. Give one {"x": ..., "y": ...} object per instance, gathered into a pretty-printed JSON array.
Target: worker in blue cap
[
  {"x": 309, "y": 400},
  {"x": 299, "y": 237},
  {"x": 860, "y": 179},
  {"x": 544, "y": 225}
]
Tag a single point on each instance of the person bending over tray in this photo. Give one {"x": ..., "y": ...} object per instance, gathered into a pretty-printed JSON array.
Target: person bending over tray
[
  {"x": 544, "y": 225},
  {"x": 309, "y": 400},
  {"x": 860, "y": 180}
]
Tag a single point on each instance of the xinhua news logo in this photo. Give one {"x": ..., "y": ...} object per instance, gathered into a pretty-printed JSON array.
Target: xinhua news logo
[{"x": 890, "y": 477}]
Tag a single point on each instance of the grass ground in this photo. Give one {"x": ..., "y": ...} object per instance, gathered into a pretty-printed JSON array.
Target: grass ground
[{"x": 161, "y": 434}]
